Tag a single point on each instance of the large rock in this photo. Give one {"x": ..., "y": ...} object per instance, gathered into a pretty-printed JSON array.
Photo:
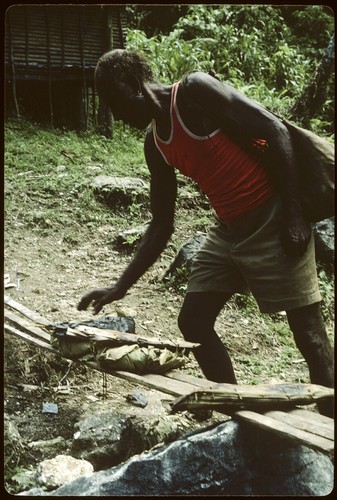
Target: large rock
[
  {"x": 228, "y": 459},
  {"x": 324, "y": 232},
  {"x": 101, "y": 439},
  {"x": 107, "y": 439},
  {"x": 119, "y": 190},
  {"x": 181, "y": 265}
]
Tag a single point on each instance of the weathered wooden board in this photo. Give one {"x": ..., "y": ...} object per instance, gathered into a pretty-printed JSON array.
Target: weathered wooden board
[
  {"x": 124, "y": 338},
  {"x": 161, "y": 383},
  {"x": 195, "y": 381},
  {"x": 34, "y": 316},
  {"x": 285, "y": 430},
  {"x": 312, "y": 416},
  {"x": 256, "y": 397},
  {"x": 26, "y": 326},
  {"x": 323, "y": 430},
  {"x": 30, "y": 339}
]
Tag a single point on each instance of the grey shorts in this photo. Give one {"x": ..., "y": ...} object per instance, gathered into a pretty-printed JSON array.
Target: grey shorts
[{"x": 247, "y": 256}]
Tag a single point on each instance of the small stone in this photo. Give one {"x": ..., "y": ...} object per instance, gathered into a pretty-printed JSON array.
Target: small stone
[
  {"x": 61, "y": 470},
  {"x": 50, "y": 408}
]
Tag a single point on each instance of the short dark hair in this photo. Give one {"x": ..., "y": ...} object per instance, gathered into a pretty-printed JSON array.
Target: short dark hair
[{"x": 116, "y": 66}]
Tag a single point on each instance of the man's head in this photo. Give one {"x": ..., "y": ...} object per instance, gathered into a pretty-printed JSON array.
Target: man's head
[{"x": 120, "y": 77}]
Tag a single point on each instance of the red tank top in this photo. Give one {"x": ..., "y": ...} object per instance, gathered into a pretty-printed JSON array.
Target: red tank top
[{"x": 233, "y": 179}]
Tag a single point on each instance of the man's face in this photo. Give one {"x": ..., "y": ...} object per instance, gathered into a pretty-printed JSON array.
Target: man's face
[
  {"x": 126, "y": 107},
  {"x": 131, "y": 114}
]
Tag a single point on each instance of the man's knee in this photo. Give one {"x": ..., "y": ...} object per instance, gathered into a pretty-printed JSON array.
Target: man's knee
[
  {"x": 188, "y": 324},
  {"x": 199, "y": 312},
  {"x": 308, "y": 327},
  {"x": 313, "y": 342},
  {"x": 193, "y": 321},
  {"x": 306, "y": 318}
]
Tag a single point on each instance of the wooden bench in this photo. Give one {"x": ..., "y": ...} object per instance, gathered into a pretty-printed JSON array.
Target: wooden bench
[{"x": 302, "y": 426}]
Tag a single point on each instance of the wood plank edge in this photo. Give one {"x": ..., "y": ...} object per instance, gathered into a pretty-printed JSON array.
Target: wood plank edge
[
  {"x": 317, "y": 429},
  {"x": 284, "y": 430},
  {"x": 32, "y": 340},
  {"x": 25, "y": 325},
  {"x": 25, "y": 311}
]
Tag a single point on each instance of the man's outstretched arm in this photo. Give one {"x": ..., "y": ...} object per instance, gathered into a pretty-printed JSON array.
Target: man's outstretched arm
[{"x": 163, "y": 196}]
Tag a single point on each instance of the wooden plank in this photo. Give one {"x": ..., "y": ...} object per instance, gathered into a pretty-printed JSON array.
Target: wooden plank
[
  {"x": 30, "y": 339},
  {"x": 159, "y": 382},
  {"x": 149, "y": 380},
  {"x": 196, "y": 382},
  {"x": 284, "y": 430},
  {"x": 26, "y": 325},
  {"x": 131, "y": 338},
  {"x": 36, "y": 317},
  {"x": 261, "y": 397},
  {"x": 322, "y": 430},
  {"x": 313, "y": 416}
]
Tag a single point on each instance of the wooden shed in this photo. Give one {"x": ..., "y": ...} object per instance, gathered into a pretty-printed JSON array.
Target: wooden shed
[{"x": 50, "y": 56}]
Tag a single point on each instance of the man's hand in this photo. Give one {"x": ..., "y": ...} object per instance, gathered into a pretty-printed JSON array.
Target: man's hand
[
  {"x": 295, "y": 236},
  {"x": 100, "y": 297}
]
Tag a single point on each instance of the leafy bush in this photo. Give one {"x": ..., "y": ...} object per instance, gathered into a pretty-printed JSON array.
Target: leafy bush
[{"x": 261, "y": 50}]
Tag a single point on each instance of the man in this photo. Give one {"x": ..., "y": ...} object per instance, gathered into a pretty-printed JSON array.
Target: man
[{"x": 242, "y": 158}]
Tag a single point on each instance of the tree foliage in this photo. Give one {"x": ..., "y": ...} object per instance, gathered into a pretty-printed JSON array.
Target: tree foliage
[
  {"x": 268, "y": 52},
  {"x": 154, "y": 19}
]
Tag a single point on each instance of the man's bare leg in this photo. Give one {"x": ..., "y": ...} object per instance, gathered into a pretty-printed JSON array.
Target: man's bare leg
[
  {"x": 196, "y": 322},
  {"x": 312, "y": 340}
]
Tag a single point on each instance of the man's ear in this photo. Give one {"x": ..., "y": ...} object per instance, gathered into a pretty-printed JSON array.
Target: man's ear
[
  {"x": 134, "y": 84},
  {"x": 124, "y": 89}
]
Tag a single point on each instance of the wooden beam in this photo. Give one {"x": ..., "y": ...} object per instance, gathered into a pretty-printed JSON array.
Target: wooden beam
[
  {"x": 34, "y": 316},
  {"x": 32, "y": 340},
  {"x": 26, "y": 325},
  {"x": 195, "y": 381},
  {"x": 284, "y": 430},
  {"x": 319, "y": 429},
  {"x": 155, "y": 381},
  {"x": 312, "y": 416},
  {"x": 129, "y": 338}
]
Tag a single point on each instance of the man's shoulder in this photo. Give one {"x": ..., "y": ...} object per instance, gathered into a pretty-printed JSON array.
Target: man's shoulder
[
  {"x": 197, "y": 82},
  {"x": 195, "y": 78}
]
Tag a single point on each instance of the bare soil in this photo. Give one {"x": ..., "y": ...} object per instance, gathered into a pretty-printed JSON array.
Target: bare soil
[{"x": 55, "y": 270}]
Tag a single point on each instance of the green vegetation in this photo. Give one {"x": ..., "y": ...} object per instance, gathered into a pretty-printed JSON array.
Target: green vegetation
[
  {"x": 48, "y": 173},
  {"x": 270, "y": 53}
]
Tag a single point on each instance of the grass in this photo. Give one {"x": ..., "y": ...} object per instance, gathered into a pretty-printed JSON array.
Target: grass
[{"x": 50, "y": 172}]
